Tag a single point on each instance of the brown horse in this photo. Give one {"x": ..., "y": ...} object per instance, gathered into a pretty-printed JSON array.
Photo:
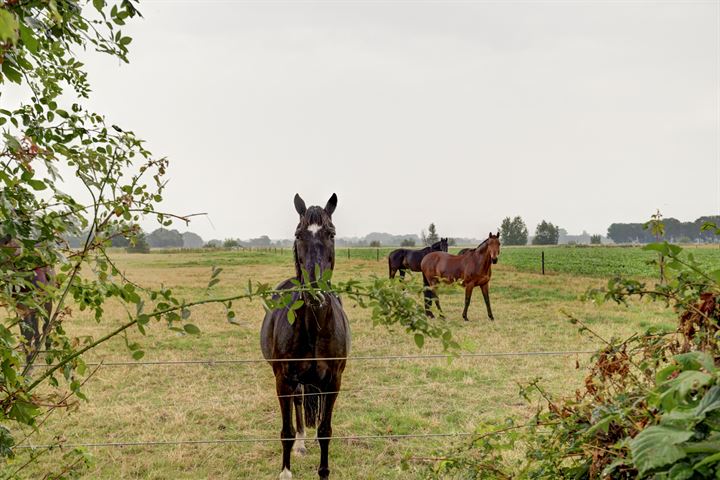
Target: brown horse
[{"x": 473, "y": 268}]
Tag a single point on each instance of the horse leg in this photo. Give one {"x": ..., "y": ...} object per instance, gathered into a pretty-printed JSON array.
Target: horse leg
[
  {"x": 427, "y": 295},
  {"x": 486, "y": 296},
  {"x": 402, "y": 274},
  {"x": 287, "y": 434},
  {"x": 468, "y": 296},
  {"x": 437, "y": 301},
  {"x": 324, "y": 431},
  {"x": 299, "y": 446},
  {"x": 46, "y": 326},
  {"x": 29, "y": 329}
]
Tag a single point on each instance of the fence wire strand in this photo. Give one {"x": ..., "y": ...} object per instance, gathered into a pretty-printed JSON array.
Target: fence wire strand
[
  {"x": 362, "y": 358},
  {"x": 242, "y": 440}
]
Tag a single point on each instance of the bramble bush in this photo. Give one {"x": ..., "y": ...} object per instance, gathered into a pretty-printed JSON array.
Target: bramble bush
[{"x": 649, "y": 406}]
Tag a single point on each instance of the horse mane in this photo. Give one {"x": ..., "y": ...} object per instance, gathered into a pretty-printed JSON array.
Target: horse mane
[{"x": 483, "y": 244}]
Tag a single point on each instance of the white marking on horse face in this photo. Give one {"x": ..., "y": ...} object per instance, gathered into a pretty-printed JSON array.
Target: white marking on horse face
[
  {"x": 285, "y": 474},
  {"x": 314, "y": 228}
]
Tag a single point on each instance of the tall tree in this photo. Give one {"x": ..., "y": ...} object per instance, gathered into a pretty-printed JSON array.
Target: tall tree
[
  {"x": 546, "y": 234},
  {"x": 513, "y": 232},
  {"x": 432, "y": 235}
]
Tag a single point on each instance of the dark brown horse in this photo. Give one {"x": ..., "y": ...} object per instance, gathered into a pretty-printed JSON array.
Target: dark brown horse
[
  {"x": 34, "y": 309},
  {"x": 321, "y": 330},
  {"x": 404, "y": 259},
  {"x": 472, "y": 268}
]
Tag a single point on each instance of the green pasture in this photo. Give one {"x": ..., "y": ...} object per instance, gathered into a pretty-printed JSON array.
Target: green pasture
[{"x": 217, "y": 402}]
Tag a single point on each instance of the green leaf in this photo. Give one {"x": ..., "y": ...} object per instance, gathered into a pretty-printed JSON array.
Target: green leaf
[
  {"x": 603, "y": 424},
  {"x": 191, "y": 329},
  {"x": 138, "y": 354},
  {"x": 708, "y": 460},
  {"x": 26, "y": 35},
  {"x": 36, "y": 184},
  {"x": 99, "y": 5},
  {"x": 656, "y": 446},
  {"x": 11, "y": 72},
  {"x": 419, "y": 340},
  {"x": 680, "y": 471},
  {"x": 695, "y": 360},
  {"x": 8, "y": 26},
  {"x": 657, "y": 247},
  {"x": 291, "y": 316}
]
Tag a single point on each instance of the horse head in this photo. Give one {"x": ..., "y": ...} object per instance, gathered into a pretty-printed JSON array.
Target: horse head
[
  {"x": 493, "y": 246},
  {"x": 314, "y": 247},
  {"x": 438, "y": 246}
]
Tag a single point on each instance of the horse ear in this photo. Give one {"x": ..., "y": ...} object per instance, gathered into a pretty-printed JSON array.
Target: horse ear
[
  {"x": 498, "y": 234},
  {"x": 331, "y": 204},
  {"x": 300, "y": 205},
  {"x": 490, "y": 234}
]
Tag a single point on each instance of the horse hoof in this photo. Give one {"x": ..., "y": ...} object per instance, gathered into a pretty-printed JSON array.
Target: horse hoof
[
  {"x": 285, "y": 475},
  {"x": 299, "y": 445},
  {"x": 491, "y": 318},
  {"x": 466, "y": 319}
]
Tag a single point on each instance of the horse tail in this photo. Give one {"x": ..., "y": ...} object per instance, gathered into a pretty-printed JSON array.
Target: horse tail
[{"x": 313, "y": 401}]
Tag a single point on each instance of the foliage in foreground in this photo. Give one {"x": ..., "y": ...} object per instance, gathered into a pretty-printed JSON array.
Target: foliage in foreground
[
  {"x": 649, "y": 407},
  {"x": 51, "y": 134}
]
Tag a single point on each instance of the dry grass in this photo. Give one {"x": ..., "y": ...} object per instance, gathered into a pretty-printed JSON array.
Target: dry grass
[{"x": 224, "y": 402}]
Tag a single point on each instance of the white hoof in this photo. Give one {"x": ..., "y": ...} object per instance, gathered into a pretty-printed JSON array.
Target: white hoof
[
  {"x": 299, "y": 445},
  {"x": 285, "y": 474}
]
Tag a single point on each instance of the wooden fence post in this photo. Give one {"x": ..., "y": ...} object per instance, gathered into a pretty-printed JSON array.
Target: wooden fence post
[{"x": 378, "y": 254}]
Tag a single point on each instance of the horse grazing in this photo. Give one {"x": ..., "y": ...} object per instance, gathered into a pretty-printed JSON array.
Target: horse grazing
[
  {"x": 473, "y": 268},
  {"x": 320, "y": 330},
  {"x": 404, "y": 259},
  {"x": 30, "y": 316}
]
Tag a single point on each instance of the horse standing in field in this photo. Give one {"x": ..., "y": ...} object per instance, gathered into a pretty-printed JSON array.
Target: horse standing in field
[
  {"x": 404, "y": 259},
  {"x": 321, "y": 330},
  {"x": 31, "y": 316},
  {"x": 473, "y": 268}
]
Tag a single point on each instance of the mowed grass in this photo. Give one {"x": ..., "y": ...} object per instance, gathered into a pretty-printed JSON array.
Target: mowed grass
[{"x": 380, "y": 397}]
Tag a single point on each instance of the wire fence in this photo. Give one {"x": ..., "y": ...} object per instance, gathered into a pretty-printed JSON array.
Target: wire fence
[
  {"x": 244, "y": 440},
  {"x": 361, "y": 358},
  {"x": 363, "y": 437}
]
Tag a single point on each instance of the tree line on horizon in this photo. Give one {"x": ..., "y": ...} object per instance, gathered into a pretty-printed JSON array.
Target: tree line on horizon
[{"x": 513, "y": 231}]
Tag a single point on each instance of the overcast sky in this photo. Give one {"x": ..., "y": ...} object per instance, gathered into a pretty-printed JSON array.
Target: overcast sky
[{"x": 581, "y": 113}]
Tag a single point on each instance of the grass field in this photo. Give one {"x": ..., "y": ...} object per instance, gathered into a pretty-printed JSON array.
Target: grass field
[{"x": 199, "y": 402}]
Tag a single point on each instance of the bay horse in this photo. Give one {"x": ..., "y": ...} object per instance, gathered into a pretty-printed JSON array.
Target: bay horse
[
  {"x": 473, "y": 268},
  {"x": 405, "y": 259},
  {"x": 320, "y": 330},
  {"x": 30, "y": 316}
]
